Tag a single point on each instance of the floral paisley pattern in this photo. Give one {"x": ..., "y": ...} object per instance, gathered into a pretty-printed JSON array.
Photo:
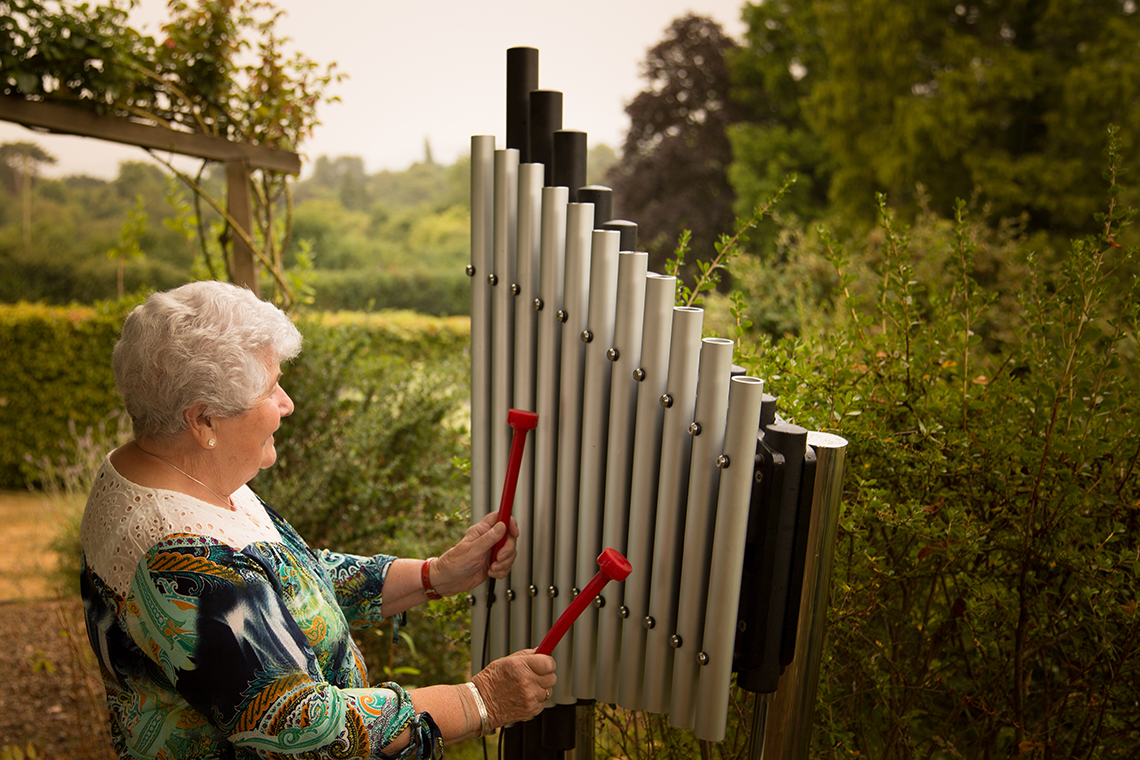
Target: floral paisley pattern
[{"x": 223, "y": 652}]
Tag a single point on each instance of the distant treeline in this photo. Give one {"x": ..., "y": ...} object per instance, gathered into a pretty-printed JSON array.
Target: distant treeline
[{"x": 386, "y": 240}]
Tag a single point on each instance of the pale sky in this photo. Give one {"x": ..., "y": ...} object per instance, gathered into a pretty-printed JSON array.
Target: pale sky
[{"x": 436, "y": 70}]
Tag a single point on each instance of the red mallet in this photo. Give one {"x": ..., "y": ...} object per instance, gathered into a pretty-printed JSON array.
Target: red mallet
[
  {"x": 521, "y": 421},
  {"x": 612, "y": 566}
]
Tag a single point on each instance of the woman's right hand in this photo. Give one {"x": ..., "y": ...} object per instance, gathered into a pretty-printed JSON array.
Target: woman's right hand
[{"x": 516, "y": 687}]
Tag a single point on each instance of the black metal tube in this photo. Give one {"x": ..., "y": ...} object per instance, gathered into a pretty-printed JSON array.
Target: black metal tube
[
  {"x": 522, "y": 78},
  {"x": 799, "y": 560},
  {"x": 545, "y": 120},
  {"x": 558, "y": 727},
  {"x": 771, "y": 539},
  {"x": 603, "y": 199},
  {"x": 628, "y": 232},
  {"x": 569, "y": 163},
  {"x": 767, "y": 410}
]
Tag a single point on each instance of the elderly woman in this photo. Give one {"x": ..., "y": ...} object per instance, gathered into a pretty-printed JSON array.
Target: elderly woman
[{"x": 219, "y": 632}]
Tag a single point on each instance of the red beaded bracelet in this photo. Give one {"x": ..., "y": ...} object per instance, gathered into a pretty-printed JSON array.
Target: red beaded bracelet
[{"x": 429, "y": 591}]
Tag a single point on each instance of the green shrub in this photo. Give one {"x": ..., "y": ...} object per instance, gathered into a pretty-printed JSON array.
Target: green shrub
[
  {"x": 57, "y": 379},
  {"x": 983, "y": 599},
  {"x": 427, "y": 292}
]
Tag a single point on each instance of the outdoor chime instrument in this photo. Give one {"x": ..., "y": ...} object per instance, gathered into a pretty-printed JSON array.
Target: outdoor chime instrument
[{"x": 646, "y": 443}]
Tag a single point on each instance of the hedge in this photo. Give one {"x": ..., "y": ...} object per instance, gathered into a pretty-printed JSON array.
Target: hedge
[{"x": 58, "y": 380}]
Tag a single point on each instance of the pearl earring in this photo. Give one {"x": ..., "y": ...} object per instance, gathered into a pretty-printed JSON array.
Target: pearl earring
[{"x": 212, "y": 442}]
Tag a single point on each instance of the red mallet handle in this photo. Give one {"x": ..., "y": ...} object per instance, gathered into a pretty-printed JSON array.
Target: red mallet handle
[
  {"x": 612, "y": 566},
  {"x": 521, "y": 422}
]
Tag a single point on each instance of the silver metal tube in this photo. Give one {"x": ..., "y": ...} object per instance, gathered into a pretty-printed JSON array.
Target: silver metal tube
[
  {"x": 559, "y": 578},
  {"x": 598, "y": 337},
  {"x": 792, "y": 707},
  {"x": 482, "y": 229},
  {"x": 552, "y": 270},
  {"x": 502, "y": 344},
  {"x": 672, "y": 490},
  {"x": 708, "y": 430},
  {"x": 653, "y": 375},
  {"x": 733, "y": 499},
  {"x": 625, "y": 357},
  {"x": 515, "y": 602}
]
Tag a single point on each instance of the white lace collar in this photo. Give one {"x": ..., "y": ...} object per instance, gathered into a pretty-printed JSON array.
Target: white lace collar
[{"x": 123, "y": 520}]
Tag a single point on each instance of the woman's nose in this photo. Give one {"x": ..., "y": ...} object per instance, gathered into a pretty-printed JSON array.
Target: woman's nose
[{"x": 285, "y": 404}]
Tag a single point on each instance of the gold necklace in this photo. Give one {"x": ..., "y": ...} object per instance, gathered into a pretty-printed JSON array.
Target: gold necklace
[{"x": 228, "y": 501}]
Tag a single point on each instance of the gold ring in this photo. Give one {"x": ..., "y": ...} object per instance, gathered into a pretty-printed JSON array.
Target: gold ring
[{"x": 547, "y": 695}]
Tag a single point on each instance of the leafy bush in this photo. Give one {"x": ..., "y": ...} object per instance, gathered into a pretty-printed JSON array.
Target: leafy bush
[
  {"x": 427, "y": 292},
  {"x": 57, "y": 379},
  {"x": 983, "y": 599}
]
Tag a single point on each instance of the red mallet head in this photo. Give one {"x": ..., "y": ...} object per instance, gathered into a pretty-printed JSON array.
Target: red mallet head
[
  {"x": 522, "y": 420},
  {"x": 614, "y": 565}
]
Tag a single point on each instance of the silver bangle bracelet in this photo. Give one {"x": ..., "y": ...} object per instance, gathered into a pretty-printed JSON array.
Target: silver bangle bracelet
[{"x": 484, "y": 718}]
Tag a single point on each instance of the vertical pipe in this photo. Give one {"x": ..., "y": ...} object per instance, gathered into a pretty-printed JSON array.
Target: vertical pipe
[
  {"x": 502, "y": 342},
  {"x": 708, "y": 430},
  {"x": 516, "y": 601},
  {"x": 570, "y": 162},
  {"x": 791, "y": 708},
  {"x": 672, "y": 489},
  {"x": 554, "y": 590},
  {"x": 733, "y": 499},
  {"x": 522, "y": 77},
  {"x": 603, "y": 200},
  {"x": 482, "y": 230},
  {"x": 666, "y": 501},
  {"x": 652, "y": 376},
  {"x": 549, "y": 304},
  {"x": 625, "y": 357},
  {"x": 545, "y": 120},
  {"x": 598, "y": 337}
]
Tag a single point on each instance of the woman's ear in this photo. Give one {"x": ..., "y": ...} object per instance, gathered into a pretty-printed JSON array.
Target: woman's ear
[{"x": 201, "y": 426}]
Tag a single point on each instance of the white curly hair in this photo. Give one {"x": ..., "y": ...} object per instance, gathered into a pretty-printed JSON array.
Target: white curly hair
[{"x": 206, "y": 342}]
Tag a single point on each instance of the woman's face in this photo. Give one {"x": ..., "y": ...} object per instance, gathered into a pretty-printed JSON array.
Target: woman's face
[{"x": 248, "y": 437}]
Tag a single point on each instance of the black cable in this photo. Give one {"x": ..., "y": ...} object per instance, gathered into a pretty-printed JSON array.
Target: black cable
[{"x": 486, "y": 653}]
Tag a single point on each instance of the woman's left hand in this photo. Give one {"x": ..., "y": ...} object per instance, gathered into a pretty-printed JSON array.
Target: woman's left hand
[{"x": 468, "y": 563}]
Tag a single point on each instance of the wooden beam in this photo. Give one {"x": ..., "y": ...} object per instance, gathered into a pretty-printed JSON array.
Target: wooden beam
[
  {"x": 244, "y": 270},
  {"x": 74, "y": 121}
]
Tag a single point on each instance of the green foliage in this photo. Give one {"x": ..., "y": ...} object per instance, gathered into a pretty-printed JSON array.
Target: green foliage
[
  {"x": 728, "y": 248},
  {"x": 18, "y": 752},
  {"x": 1002, "y": 99},
  {"x": 220, "y": 70},
  {"x": 984, "y": 587},
  {"x": 59, "y": 389},
  {"x": 58, "y": 379},
  {"x": 438, "y": 294},
  {"x": 372, "y": 436},
  {"x": 390, "y": 256}
]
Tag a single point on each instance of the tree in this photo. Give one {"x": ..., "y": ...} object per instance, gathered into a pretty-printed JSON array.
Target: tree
[
  {"x": 220, "y": 70},
  {"x": 25, "y": 159},
  {"x": 772, "y": 73},
  {"x": 1007, "y": 98},
  {"x": 672, "y": 173}
]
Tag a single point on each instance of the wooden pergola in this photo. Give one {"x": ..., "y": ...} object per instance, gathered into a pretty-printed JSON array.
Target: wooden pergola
[{"x": 239, "y": 158}]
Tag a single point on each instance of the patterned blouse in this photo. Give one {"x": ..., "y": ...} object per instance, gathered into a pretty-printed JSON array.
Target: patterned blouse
[{"x": 223, "y": 635}]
